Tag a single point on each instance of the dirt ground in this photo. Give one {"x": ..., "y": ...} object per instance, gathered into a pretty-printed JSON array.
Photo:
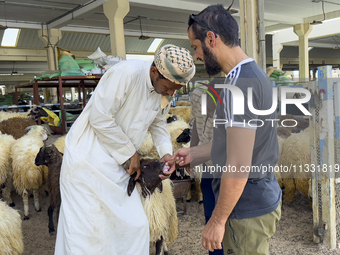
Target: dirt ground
[{"x": 294, "y": 235}]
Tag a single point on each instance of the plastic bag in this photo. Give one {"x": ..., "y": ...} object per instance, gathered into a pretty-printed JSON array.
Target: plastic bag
[{"x": 69, "y": 67}]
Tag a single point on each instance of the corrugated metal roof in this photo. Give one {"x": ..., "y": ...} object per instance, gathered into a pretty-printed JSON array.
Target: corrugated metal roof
[{"x": 28, "y": 38}]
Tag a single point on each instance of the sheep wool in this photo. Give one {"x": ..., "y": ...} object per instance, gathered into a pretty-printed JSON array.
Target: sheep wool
[
  {"x": 16, "y": 126},
  {"x": 175, "y": 128},
  {"x": 296, "y": 152},
  {"x": 277, "y": 173},
  {"x": 183, "y": 103},
  {"x": 160, "y": 209},
  {"x": 60, "y": 144},
  {"x": 184, "y": 111},
  {"x": 6, "y": 175},
  {"x": 10, "y": 231},
  {"x": 26, "y": 174},
  {"x": 8, "y": 115}
]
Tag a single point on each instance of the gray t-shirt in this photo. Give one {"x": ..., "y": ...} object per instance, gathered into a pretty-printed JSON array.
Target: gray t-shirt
[{"x": 262, "y": 194}]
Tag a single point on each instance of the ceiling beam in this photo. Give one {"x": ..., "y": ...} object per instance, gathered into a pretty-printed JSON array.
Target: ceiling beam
[
  {"x": 282, "y": 19},
  {"x": 20, "y": 24},
  {"x": 59, "y": 22},
  {"x": 328, "y": 28},
  {"x": 316, "y": 45},
  {"x": 329, "y": 15},
  {"x": 173, "y": 5}
]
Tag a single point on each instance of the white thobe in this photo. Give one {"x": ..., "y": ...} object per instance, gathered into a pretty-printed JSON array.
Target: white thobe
[{"x": 97, "y": 217}]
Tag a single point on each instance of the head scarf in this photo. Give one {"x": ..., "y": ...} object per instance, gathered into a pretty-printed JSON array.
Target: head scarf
[{"x": 175, "y": 64}]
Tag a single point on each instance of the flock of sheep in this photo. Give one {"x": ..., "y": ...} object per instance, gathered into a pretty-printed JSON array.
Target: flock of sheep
[{"x": 26, "y": 165}]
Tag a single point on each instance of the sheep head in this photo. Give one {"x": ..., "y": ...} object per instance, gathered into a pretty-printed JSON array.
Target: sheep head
[
  {"x": 46, "y": 154},
  {"x": 184, "y": 137},
  {"x": 37, "y": 128},
  {"x": 37, "y": 112},
  {"x": 149, "y": 179}
]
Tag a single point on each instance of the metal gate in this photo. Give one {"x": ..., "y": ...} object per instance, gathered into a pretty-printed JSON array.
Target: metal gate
[{"x": 325, "y": 169}]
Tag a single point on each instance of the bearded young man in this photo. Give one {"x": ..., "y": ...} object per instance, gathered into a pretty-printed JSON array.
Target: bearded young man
[
  {"x": 248, "y": 202},
  {"x": 97, "y": 216}
]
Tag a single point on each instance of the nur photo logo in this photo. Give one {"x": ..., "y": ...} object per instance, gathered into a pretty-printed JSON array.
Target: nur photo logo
[{"x": 238, "y": 102}]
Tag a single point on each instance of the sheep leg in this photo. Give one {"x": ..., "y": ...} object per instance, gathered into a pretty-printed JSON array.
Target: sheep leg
[
  {"x": 6, "y": 192},
  {"x": 159, "y": 246},
  {"x": 36, "y": 200},
  {"x": 25, "y": 199},
  {"x": 189, "y": 195},
  {"x": 290, "y": 189},
  {"x": 199, "y": 191},
  {"x": 51, "y": 229},
  {"x": 165, "y": 248}
]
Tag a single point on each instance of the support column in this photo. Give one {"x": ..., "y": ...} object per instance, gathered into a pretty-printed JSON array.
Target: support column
[
  {"x": 303, "y": 30},
  {"x": 115, "y": 11},
  {"x": 249, "y": 20},
  {"x": 45, "y": 95},
  {"x": 277, "y": 48},
  {"x": 73, "y": 94},
  {"x": 51, "y": 37}
]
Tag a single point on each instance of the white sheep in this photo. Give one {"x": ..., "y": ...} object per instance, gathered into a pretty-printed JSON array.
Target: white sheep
[
  {"x": 278, "y": 173},
  {"x": 296, "y": 152},
  {"x": 175, "y": 129},
  {"x": 10, "y": 231},
  {"x": 183, "y": 111},
  {"x": 60, "y": 144},
  {"x": 6, "y": 174},
  {"x": 8, "y": 115},
  {"x": 26, "y": 175}
]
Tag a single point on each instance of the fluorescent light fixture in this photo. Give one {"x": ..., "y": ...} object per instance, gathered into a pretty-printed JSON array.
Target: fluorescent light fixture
[
  {"x": 329, "y": 20},
  {"x": 155, "y": 44},
  {"x": 10, "y": 37},
  {"x": 142, "y": 57}
]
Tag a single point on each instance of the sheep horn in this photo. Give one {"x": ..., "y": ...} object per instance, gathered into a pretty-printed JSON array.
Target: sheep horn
[{"x": 28, "y": 129}]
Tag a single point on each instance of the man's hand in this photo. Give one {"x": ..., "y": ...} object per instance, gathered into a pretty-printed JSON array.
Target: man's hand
[
  {"x": 212, "y": 236},
  {"x": 134, "y": 165},
  {"x": 169, "y": 168},
  {"x": 182, "y": 157}
]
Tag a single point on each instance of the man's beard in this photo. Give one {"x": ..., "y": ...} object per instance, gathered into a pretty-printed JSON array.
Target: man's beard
[{"x": 211, "y": 64}]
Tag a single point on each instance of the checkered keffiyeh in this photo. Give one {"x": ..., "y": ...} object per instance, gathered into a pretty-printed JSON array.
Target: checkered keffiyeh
[{"x": 175, "y": 64}]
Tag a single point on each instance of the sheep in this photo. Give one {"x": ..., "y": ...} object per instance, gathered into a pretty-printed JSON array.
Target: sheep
[
  {"x": 10, "y": 231},
  {"x": 184, "y": 111},
  {"x": 52, "y": 158},
  {"x": 15, "y": 123},
  {"x": 296, "y": 152},
  {"x": 16, "y": 126},
  {"x": 158, "y": 203},
  {"x": 26, "y": 175},
  {"x": 183, "y": 103},
  {"x": 60, "y": 144},
  {"x": 302, "y": 124},
  {"x": 8, "y": 115},
  {"x": 278, "y": 174},
  {"x": 184, "y": 137},
  {"x": 6, "y": 175},
  {"x": 175, "y": 129}
]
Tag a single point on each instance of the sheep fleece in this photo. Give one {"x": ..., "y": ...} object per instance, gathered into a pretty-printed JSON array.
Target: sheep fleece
[
  {"x": 160, "y": 209},
  {"x": 10, "y": 231}
]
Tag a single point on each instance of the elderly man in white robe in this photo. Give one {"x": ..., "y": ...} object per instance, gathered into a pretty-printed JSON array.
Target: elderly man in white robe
[{"x": 97, "y": 217}]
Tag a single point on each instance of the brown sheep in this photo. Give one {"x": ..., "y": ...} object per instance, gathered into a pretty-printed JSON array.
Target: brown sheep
[{"x": 52, "y": 158}]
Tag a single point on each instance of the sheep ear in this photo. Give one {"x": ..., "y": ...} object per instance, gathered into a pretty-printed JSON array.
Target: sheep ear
[
  {"x": 160, "y": 187},
  {"x": 132, "y": 184},
  {"x": 44, "y": 135}
]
